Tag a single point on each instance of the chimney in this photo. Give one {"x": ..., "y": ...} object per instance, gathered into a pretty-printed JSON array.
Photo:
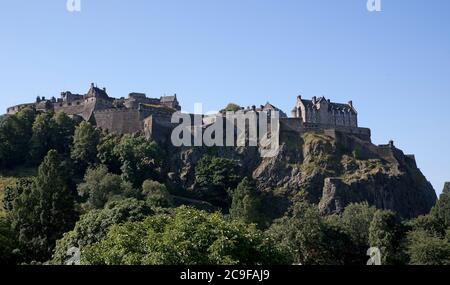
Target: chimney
[
  {"x": 92, "y": 85},
  {"x": 350, "y": 103},
  {"x": 104, "y": 89},
  {"x": 314, "y": 99}
]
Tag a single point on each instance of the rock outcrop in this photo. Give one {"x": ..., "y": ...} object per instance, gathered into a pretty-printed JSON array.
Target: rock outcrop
[{"x": 331, "y": 170}]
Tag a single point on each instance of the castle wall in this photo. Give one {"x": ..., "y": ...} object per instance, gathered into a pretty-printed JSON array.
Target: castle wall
[
  {"x": 291, "y": 125},
  {"x": 119, "y": 121},
  {"x": 70, "y": 108},
  {"x": 297, "y": 125},
  {"x": 155, "y": 110},
  {"x": 158, "y": 129},
  {"x": 15, "y": 109}
]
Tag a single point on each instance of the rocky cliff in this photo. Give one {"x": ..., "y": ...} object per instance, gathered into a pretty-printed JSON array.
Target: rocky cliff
[{"x": 331, "y": 170}]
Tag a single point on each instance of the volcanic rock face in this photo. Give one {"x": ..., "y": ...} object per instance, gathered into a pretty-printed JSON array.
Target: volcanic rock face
[{"x": 331, "y": 171}]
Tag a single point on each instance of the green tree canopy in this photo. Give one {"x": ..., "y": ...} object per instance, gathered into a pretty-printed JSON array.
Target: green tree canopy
[
  {"x": 441, "y": 211},
  {"x": 15, "y": 134},
  {"x": 301, "y": 232},
  {"x": 140, "y": 159},
  {"x": 156, "y": 194},
  {"x": 356, "y": 220},
  {"x": 93, "y": 226},
  {"x": 214, "y": 178},
  {"x": 64, "y": 128},
  {"x": 106, "y": 153},
  {"x": 246, "y": 203},
  {"x": 425, "y": 248},
  {"x": 42, "y": 212},
  {"x": 385, "y": 232},
  {"x": 100, "y": 186},
  {"x": 42, "y": 139},
  {"x": 231, "y": 107},
  {"x": 84, "y": 149},
  {"x": 9, "y": 245},
  {"x": 188, "y": 237}
]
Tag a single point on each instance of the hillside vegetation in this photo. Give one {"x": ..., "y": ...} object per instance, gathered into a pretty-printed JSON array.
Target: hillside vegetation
[{"x": 127, "y": 200}]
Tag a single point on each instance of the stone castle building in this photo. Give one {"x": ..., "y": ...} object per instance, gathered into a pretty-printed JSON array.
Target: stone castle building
[
  {"x": 323, "y": 111},
  {"x": 152, "y": 116},
  {"x": 136, "y": 113}
]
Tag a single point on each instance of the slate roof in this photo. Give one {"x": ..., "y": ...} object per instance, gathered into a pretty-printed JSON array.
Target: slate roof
[
  {"x": 97, "y": 92},
  {"x": 165, "y": 99},
  {"x": 331, "y": 105}
]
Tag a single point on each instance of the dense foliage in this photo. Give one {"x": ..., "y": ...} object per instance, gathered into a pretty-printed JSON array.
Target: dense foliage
[
  {"x": 188, "y": 237},
  {"x": 215, "y": 177},
  {"x": 94, "y": 225},
  {"x": 43, "y": 208}
]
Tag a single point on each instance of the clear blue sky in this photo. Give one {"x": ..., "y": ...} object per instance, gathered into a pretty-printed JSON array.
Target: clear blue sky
[{"x": 394, "y": 65}]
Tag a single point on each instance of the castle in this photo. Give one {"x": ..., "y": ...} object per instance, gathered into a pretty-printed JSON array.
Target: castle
[
  {"x": 152, "y": 116},
  {"x": 137, "y": 113}
]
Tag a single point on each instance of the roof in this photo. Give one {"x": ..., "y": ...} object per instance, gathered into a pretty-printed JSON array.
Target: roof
[
  {"x": 97, "y": 92},
  {"x": 165, "y": 99},
  {"x": 331, "y": 105},
  {"x": 269, "y": 106}
]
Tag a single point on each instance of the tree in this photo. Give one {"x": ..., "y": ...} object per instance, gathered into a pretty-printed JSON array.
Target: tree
[
  {"x": 106, "y": 153},
  {"x": 428, "y": 241},
  {"x": 15, "y": 134},
  {"x": 100, "y": 186},
  {"x": 14, "y": 192},
  {"x": 27, "y": 116},
  {"x": 156, "y": 194},
  {"x": 425, "y": 248},
  {"x": 9, "y": 254},
  {"x": 93, "y": 226},
  {"x": 42, "y": 139},
  {"x": 340, "y": 245},
  {"x": 301, "y": 232},
  {"x": 188, "y": 237},
  {"x": 356, "y": 220},
  {"x": 446, "y": 187},
  {"x": 140, "y": 159},
  {"x": 64, "y": 128},
  {"x": 42, "y": 212},
  {"x": 231, "y": 107},
  {"x": 441, "y": 211},
  {"x": 214, "y": 178},
  {"x": 385, "y": 233},
  {"x": 84, "y": 149},
  {"x": 246, "y": 203}
]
